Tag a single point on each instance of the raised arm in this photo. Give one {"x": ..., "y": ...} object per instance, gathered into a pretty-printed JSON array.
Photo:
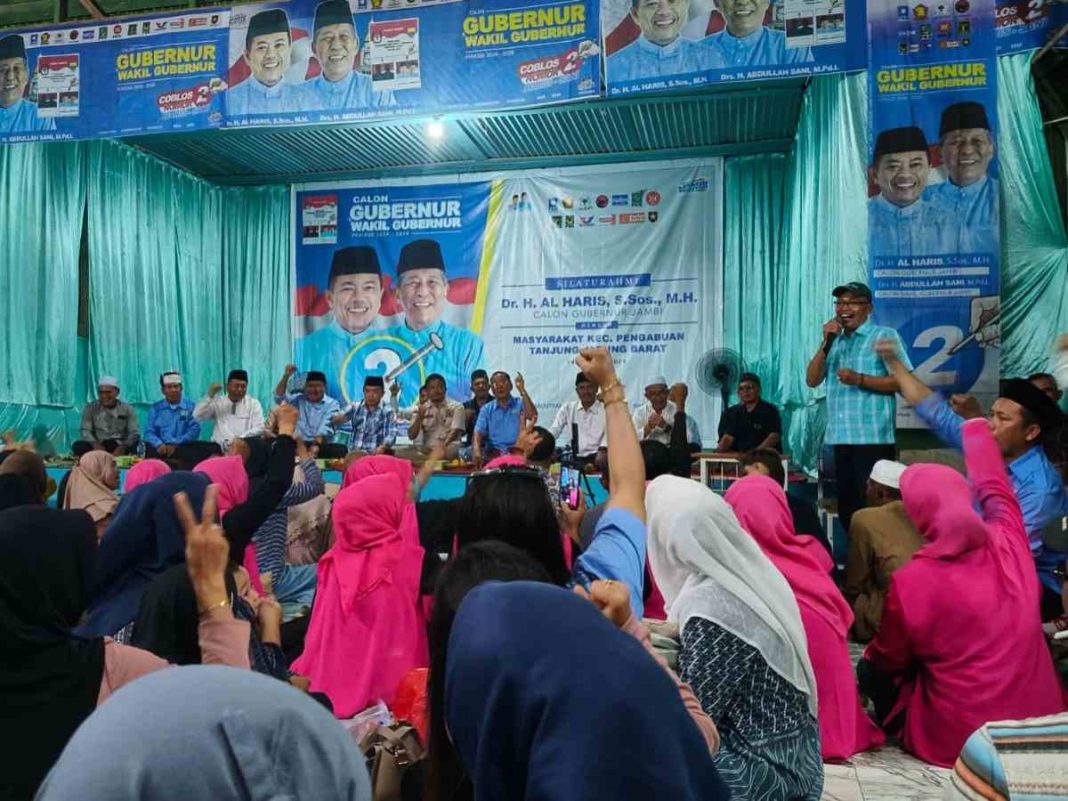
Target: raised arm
[
  {"x": 530, "y": 411},
  {"x": 204, "y": 409},
  {"x": 931, "y": 408},
  {"x": 990, "y": 481},
  {"x": 422, "y": 478},
  {"x": 280, "y": 387},
  {"x": 624, "y": 453},
  {"x": 679, "y": 447}
]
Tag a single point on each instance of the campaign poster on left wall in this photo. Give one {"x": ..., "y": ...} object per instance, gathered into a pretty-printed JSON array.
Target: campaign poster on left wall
[
  {"x": 328, "y": 61},
  {"x": 112, "y": 78}
]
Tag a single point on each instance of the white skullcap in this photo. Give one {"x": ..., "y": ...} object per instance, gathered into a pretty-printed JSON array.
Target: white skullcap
[
  {"x": 108, "y": 381},
  {"x": 888, "y": 473},
  {"x": 655, "y": 381},
  {"x": 172, "y": 378}
]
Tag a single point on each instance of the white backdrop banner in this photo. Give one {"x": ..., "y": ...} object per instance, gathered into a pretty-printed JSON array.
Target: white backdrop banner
[{"x": 531, "y": 267}]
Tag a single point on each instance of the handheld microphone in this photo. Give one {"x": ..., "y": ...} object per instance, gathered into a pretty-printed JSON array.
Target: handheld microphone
[{"x": 831, "y": 338}]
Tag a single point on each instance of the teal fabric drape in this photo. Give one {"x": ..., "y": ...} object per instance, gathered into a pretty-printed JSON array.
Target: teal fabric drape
[
  {"x": 821, "y": 242},
  {"x": 1034, "y": 246},
  {"x": 752, "y": 243},
  {"x": 155, "y": 255},
  {"x": 42, "y": 199},
  {"x": 257, "y": 294}
]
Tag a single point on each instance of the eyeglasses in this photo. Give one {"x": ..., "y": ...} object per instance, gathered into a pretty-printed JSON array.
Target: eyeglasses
[{"x": 850, "y": 303}]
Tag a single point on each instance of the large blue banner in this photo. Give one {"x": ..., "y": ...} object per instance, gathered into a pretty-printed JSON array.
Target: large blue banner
[
  {"x": 1028, "y": 24},
  {"x": 314, "y": 61},
  {"x": 653, "y": 45},
  {"x": 116, "y": 79},
  {"x": 386, "y": 283},
  {"x": 933, "y": 212}
]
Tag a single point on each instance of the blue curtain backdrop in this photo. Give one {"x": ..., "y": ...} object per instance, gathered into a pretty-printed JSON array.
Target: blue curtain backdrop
[
  {"x": 257, "y": 294},
  {"x": 191, "y": 276},
  {"x": 42, "y": 194},
  {"x": 155, "y": 273},
  {"x": 1034, "y": 246},
  {"x": 182, "y": 275}
]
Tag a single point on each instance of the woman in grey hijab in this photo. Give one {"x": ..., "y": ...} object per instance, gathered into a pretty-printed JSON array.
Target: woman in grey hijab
[{"x": 213, "y": 733}]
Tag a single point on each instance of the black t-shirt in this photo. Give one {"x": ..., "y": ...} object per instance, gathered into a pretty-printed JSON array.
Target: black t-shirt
[
  {"x": 749, "y": 429},
  {"x": 472, "y": 406}
]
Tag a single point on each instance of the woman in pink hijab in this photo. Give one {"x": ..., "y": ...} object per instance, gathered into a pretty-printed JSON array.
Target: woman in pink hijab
[
  {"x": 367, "y": 628},
  {"x": 228, "y": 473},
  {"x": 761, "y": 507},
  {"x": 961, "y": 641},
  {"x": 378, "y": 466},
  {"x": 144, "y": 472}
]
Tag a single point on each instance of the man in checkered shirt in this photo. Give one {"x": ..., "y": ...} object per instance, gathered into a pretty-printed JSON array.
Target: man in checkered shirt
[
  {"x": 860, "y": 393},
  {"x": 371, "y": 420}
]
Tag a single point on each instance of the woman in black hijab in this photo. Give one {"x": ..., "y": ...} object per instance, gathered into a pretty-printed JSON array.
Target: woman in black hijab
[{"x": 49, "y": 677}]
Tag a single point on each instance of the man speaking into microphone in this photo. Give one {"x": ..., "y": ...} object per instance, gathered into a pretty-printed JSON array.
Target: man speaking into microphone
[{"x": 861, "y": 393}]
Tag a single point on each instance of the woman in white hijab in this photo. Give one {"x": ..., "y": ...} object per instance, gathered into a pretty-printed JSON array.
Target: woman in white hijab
[{"x": 743, "y": 648}]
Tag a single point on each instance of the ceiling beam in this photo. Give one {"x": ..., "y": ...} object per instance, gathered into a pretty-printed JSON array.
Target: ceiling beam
[
  {"x": 90, "y": 6},
  {"x": 489, "y": 165}
]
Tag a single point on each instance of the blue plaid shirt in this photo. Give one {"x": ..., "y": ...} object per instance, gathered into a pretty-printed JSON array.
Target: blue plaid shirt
[
  {"x": 371, "y": 428},
  {"x": 856, "y": 416}
]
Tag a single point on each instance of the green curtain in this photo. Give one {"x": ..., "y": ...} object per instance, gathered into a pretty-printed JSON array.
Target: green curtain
[
  {"x": 752, "y": 242},
  {"x": 257, "y": 294},
  {"x": 783, "y": 272},
  {"x": 1034, "y": 246},
  {"x": 42, "y": 200},
  {"x": 156, "y": 277}
]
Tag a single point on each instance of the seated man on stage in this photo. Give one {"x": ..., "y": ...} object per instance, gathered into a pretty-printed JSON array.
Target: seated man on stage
[
  {"x": 655, "y": 418},
  {"x": 586, "y": 416},
  {"x": 753, "y": 423},
  {"x": 372, "y": 421},
  {"x": 437, "y": 421},
  {"x": 500, "y": 422},
  {"x": 171, "y": 429},
  {"x": 236, "y": 415},
  {"x": 315, "y": 412},
  {"x": 108, "y": 424}
]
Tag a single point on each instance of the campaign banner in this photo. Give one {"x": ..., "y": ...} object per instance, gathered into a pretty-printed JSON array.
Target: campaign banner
[
  {"x": 323, "y": 61},
  {"x": 511, "y": 273},
  {"x": 653, "y": 45},
  {"x": 933, "y": 241},
  {"x": 1028, "y": 24},
  {"x": 113, "y": 78},
  {"x": 386, "y": 280}
]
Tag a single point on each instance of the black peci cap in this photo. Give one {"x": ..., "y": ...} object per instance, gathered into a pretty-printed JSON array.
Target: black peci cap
[
  {"x": 361, "y": 260},
  {"x": 899, "y": 140},
  {"x": 422, "y": 254},
  {"x": 273, "y": 20}
]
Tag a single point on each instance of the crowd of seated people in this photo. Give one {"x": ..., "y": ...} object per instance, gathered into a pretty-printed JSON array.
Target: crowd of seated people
[{"x": 533, "y": 630}]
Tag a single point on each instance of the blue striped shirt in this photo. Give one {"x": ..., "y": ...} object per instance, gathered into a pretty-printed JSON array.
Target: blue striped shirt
[
  {"x": 372, "y": 428},
  {"x": 270, "y": 537},
  {"x": 857, "y": 416}
]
